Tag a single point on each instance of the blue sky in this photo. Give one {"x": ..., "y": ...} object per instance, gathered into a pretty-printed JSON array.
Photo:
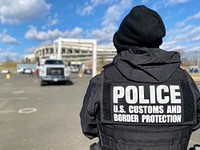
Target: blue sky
[{"x": 27, "y": 24}]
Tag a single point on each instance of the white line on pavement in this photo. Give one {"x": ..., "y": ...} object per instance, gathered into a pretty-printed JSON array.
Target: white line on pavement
[
  {"x": 12, "y": 98},
  {"x": 17, "y": 98},
  {"x": 8, "y": 84},
  {"x": 27, "y": 110},
  {"x": 3, "y": 103},
  {"x": 18, "y": 92},
  {"x": 7, "y": 111}
]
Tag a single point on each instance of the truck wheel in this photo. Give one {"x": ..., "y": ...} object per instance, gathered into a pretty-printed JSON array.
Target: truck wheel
[
  {"x": 69, "y": 82},
  {"x": 42, "y": 83}
]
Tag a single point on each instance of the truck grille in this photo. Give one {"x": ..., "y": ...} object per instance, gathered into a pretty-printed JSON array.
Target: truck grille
[{"x": 55, "y": 71}]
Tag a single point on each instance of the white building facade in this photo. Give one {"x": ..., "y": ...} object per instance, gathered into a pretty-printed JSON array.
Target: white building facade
[{"x": 76, "y": 50}]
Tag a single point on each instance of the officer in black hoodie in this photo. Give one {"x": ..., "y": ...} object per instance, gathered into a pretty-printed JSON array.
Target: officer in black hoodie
[{"x": 143, "y": 100}]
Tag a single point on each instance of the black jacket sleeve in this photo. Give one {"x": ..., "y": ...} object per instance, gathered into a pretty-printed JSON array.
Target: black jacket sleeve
[
  {"x": 196, "y": 95},
  {"x": 88, "y": 114}
]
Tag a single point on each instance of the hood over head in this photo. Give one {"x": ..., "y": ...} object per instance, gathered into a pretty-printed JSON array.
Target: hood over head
[
  {"x": 141, "y": 27},
  {"x": 151, "y": 65}
]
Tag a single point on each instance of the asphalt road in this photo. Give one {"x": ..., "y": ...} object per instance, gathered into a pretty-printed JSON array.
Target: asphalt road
[{"x": 43, "y": 118}]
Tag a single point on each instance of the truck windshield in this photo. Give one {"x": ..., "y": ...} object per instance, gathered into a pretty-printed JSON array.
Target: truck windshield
[{"x": 55, "y": 62}]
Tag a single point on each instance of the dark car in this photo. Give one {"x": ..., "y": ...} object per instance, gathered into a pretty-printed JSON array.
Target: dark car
[{"x": 88, "y": 71}]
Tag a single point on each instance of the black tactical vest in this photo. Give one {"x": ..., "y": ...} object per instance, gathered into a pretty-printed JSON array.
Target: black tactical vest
[{"x": 145, "y": 116}]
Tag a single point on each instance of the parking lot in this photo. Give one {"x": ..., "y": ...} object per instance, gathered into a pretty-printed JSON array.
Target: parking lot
[{"x": 43, "y": 118}]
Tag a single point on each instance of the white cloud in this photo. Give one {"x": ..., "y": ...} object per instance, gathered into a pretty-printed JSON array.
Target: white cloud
[
  {"x": 172, "y": 45},
  {"x": 189, "y": 18},
  {"x": 89, "y": 6},
  {"x": 174, "y": 2},
  {"x": 190, "y": 35},
  {"x": 115, "y": 11},
  {"x": 34, "y": 34},
  {"x": 97, "y": 2},
  {"x": 30, "y": 50},
  {"x": 145, "y": 1},
  {"x": 85, "y": 11},
  {"x": 168, "y": 45},
  {"x": 196, "y": 16},
  {"x": 10, "y": 56},
  {"x": 196, "y": 48},
  {"x": 103, "y": 35},
  {"x": 113, "y": 14},
  {"x": 185, "y": 35},
  {"x": 183, "y": 41},
  {"x": 18, "y": 11},
  {"x": 164, "y": 3},
  {"x": 5, "y": 38},
  {"x": 52, "y": 21}
]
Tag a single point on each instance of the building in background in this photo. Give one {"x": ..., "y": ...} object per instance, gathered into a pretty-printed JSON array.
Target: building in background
[
  {"x": 74, "y": 51},
  {"x": 29, "y": 58}
]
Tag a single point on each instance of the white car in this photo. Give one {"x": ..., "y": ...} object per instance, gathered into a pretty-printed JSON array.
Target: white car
[
  {"x": 27, "y": 71},
  {"x": 20, "y": 70},
  {"x": 74, "y": 69},
  {"x": 5, "y": 71}
]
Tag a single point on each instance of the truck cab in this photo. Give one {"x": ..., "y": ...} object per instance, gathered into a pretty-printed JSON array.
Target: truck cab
[{"x": 53, "y": 70}]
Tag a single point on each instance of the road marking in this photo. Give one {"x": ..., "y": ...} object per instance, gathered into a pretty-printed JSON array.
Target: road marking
[
  {"x": 12, "y": 98},
  {"x": 17, "y": 98},
  {"x": 8, "y": 84},
  {"x": 18, "y": 92},
  {"x": 27, "y": 110},
  {"x": 3, "y": 103},
  {"x": 7, "y": 111}
]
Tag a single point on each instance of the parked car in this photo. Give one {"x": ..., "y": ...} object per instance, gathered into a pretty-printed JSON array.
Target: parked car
[
  {"x": 74, "y": 69},
  {"x": 20, "y": 70},
  {"x": 27, "y": 71},
  {"x": 5, "y": 71},
  {"x": 88, "y": 71}
]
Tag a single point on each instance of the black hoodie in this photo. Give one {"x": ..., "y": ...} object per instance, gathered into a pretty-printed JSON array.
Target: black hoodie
[
  {"x": 147, "y": 64},
  {"x": 139, "y": 59},
  {"x": 151, "y": 65}
]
